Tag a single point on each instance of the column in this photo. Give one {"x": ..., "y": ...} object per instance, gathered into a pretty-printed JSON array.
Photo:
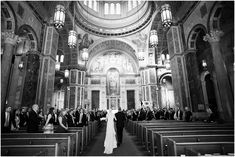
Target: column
[
  {"x": 194, "y": 82},
  {"x": 179, "y": 75},
  {"x": 47, "y": 68},
  {"x": 76, "y": 85},
  {"x": 225, "y": 90},
  {"x": 10, "y": 40}
]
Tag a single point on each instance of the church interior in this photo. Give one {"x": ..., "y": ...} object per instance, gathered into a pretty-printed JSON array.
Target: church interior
[{"x": 164, "y": 64}]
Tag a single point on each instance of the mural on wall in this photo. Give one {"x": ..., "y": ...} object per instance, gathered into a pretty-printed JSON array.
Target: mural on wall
[
  {"x": 114, "y": 59},
  {"x": 113, "y": 83}
]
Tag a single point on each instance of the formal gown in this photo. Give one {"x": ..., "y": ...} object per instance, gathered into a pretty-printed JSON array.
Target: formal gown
[{"x": 110, "y": 138}]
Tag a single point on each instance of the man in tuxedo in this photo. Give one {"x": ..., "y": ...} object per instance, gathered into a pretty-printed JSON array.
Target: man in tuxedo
[
  {"x": 7, "y": 120},
  {"x": 121, "y": 118},
  {"x": 34, "y": 120}
]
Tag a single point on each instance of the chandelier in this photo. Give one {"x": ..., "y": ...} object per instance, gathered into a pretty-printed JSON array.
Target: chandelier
[
  {"x": 72, "y": 39},
  {"x": 59, "y": 16},
  {"x": 166, "y": 15},
  {"x": 153, "y": 38}
]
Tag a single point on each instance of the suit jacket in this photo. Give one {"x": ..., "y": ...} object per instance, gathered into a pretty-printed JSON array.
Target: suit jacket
[
  {"x": 11, "y": 121},
  {"x": 34, "y": 121},
  {"x": 121, "y": 118}
]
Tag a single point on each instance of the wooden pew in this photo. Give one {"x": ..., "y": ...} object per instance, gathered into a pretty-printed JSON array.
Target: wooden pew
[
  {"x": 148, "y": 138},
  {"x": 158, "y": 137},
  {"x": 81, "y": 131},
  {"x": 30, "y": 150},
  {"x": 65, "y": 142},
  {"x": 196, "y": 138},
  {"x": 223, "y": 148},
  {"x": 73, "y": 136}
]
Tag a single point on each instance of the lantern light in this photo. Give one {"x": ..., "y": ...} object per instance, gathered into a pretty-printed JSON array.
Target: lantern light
[
  {"x": 57, "y": 66},
  {"x": 59, "y": 16},
  {"x": 66, "y": 73},
  {"x": 21, "y": 65},
  {"x": 85, "y": 54},
  {"x": 61, "y": 80},
  {"x": 72, "y": 39},
  {"x": 141, "y": 54},
  {"x": 163, "y": 57},
  {"x": 166, "y": 15},
  {"x": 61, "y": 58},
  {"x": 153, "y": 38}
]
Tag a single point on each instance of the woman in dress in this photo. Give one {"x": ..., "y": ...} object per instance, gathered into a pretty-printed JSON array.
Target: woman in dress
[
  {"x": 63, "y": 124},
  {"x": 49, "y": 125},
  {"x": 110, "y": 138}
]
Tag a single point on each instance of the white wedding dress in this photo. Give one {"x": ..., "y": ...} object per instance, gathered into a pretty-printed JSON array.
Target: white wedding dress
[{"x": 110, "y": 141}]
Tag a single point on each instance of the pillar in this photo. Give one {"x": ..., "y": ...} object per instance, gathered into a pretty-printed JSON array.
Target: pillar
[
  {"x": 225, "y": 90},
  {"x": 10, "y": 40},
  {"x": 47, "y": 68},
  {"x": 76, "y": 86},
  {"x": 194, "y": 81},
  {"x": 179, "y": 74}
]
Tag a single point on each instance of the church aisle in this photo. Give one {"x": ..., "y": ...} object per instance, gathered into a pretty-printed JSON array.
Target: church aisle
[{"x": 129, "y": 147}]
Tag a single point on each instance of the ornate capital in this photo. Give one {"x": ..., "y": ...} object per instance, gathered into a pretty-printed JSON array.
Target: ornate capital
[
  {"x": 213, "y": 36},
  {"x": 10, "y": 37}
]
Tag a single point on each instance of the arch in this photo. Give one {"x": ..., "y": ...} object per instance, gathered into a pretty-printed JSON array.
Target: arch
[
  {"x": 164, "y": 75},
  {"x": 193, "y": 34},
  {"x": 8, "y": 18},
  {"x": 112, "y": 44},
  {"x": 28, "y": 32}
]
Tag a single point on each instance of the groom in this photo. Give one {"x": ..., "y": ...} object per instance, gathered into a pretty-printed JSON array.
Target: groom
[{"x": 120, "y": 116}]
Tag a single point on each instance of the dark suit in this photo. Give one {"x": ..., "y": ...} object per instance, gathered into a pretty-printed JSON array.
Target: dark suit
[
  {"x": 120, "y": 116},
  {"x": 11, "y": 121},
  {"x": 34, "y": 121}
]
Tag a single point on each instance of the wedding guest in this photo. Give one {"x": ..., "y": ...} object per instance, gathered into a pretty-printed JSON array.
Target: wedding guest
[
  {"x": 50, "y": 121},
  {"x": 7, "y": 120},
  {"x": 34, "y": 119},
  {"x": 63, "y": 125}
]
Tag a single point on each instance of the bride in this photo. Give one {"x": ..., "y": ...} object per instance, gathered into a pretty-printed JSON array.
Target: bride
[{"x": 110, "y": 141}]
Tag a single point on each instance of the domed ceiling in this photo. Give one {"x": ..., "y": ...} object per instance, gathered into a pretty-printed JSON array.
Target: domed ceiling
[{"x": 112, "y": 18}]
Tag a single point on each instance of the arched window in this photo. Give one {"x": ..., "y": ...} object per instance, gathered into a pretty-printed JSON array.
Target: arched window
[
  {"x": 118, "y": 8},
  {"x": 106, "y": 8},
  {"x": 85, "y": 2},
  {"x": 112, "y": 8}
]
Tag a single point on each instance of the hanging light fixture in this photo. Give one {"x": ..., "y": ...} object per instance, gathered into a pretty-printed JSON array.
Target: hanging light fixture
[
  {"x": 66, "y": 73},
  {"x": 72, "y": 39},
  {"x": 204, "y": 64},
  {"x": 21, "y": 65},
  {"x": 61, "y": 58},
  {"x": 85, "y": 54},
  {"x": 59, "y": 16},
  {"x": 153, "y": 38},
  {"x": 140, "y": 54},
  {"x": 166, "y": 15}
]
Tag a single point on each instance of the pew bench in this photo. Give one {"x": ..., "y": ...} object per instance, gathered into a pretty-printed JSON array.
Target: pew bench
[
  {"x": 65, "y": 142},
  {"x": 158, "y": 137},
  {"x": 32, "y": 150},
  {"x": 196, "y": 138},
  {"x": 73, "y": 136},
  {"x": 221, "y": 148}
]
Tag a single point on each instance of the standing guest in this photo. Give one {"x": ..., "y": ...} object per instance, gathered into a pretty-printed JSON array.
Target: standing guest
[
  {"x": 17, "y": 119},
  {"x": 157, "y": 114},
  {"x": 23, "y": 118},
  {"x": 82, "y": 121},
  {"x": 142, "y": 115},
  {"x": 76, "y": 116},
  {"x": 50, "y": 121},
  {"x": 172, "y": 113},
  {"x": 70, "y": 118},
  {"x": 120, "y": 118},
  {"x": 149, "y": 114},
  {"x": 7, "y": 120},
  {"x": 178, "y": 114},
  {"x": 34, "y": 119},
  {"x": 134, "y": 115},
  {"x": 187, "y": 115},
  {"x": 166, "y": 114},
  {"x": 63, "y": 125}
]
